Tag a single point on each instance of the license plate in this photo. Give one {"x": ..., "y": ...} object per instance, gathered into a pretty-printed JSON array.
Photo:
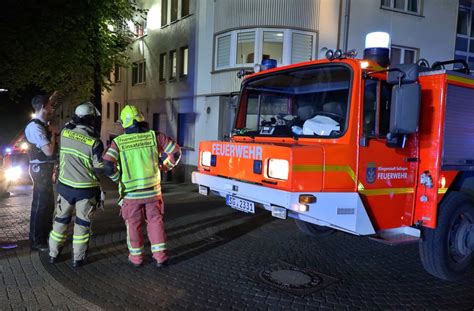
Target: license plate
[
  {"x": 203, "y": 190},
  {"x": 240, "y": 204}
]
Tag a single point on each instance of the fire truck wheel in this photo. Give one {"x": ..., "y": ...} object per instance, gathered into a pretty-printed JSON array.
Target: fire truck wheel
[
  {"x": 443, "y": 250},
  {"x": 313, "y": 230}
]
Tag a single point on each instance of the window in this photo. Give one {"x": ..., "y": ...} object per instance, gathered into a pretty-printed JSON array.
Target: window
[
  {"x": 245, "y": 48},
  {"x": 223, "y": 51},
  {"x": 403, "y": 55},
  {"x": 465, "y": 35},
  {"x": 376, "y": 110},
  {"x": 173, "y": 65},
  {"x": 409, "y": 6},
  {"x": 117, "y": 74},
  {"x": 138, "y": 72},
  {"x": 184, "y": 8},
  {"x": 164, "y": 12},
  {"x": 139, "y": 29},
  {"x": 116, "y": 112},
  {"x": 108, "y": 111},
  {"x": 171, "y": 15},
  {"x": 273, "y": 45},
  {"x": 297, "y": 102},
  {"x": 301, "y": 48},
  {"x": 162, "y": 74},
  {"x": 174, "y": 10},
  {"x": 184, "y": 55}
]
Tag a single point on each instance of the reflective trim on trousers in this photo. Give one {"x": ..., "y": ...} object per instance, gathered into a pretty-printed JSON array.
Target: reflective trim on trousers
[
  {"x": 60, "y": 238},
  {"x": 80, "y": 239},
  {"x": 158, "y": 247},
  {"x": 135, "y": 251}
]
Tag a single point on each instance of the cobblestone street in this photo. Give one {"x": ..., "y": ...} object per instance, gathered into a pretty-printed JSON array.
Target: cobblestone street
[{"x": 220, "y": 260}]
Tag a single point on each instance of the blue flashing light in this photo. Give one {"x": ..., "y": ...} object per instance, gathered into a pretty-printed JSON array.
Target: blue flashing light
[
  {"x": 257, "y": 166},
  {"x": 8, "y": 150},
  {"x": 269, "y": 64},
  {"x": 213, "y": 160}
]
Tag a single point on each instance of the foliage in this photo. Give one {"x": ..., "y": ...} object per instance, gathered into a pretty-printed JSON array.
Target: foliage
[{"x": 63, "y": 45}]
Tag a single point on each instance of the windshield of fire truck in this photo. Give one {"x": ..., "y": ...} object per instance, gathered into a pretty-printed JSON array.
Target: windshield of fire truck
[{"x": 310, "y": 101}]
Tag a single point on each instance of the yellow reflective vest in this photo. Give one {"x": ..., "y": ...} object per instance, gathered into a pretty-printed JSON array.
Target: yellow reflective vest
[{"x": 139, "y": 160}]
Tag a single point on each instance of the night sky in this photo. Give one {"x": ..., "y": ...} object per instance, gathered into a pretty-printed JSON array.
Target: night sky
[{"x": 14, "y": 114}]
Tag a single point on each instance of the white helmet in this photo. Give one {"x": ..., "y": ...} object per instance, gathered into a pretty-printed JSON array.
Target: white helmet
[{"x": 86, "y": 109}]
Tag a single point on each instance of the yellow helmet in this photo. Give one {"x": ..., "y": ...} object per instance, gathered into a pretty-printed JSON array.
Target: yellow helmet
[{"x": 130, "y": 113}]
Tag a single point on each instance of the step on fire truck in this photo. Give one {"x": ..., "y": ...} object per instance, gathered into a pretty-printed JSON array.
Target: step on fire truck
[{"x": 359, "y": 146}]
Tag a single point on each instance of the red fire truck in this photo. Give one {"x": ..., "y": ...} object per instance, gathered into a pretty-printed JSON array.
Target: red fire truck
[{"x": 359, "y": 146}]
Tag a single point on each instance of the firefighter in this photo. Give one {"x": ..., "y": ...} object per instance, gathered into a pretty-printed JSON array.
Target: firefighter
[
  {"x": 134, "y": 159},
  {"x": 78, "y": 185},
  {"x": 42, "y": 153}
]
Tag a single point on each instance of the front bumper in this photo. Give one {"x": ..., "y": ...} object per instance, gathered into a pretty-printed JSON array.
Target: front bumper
[{"x": 340, "y": 210}]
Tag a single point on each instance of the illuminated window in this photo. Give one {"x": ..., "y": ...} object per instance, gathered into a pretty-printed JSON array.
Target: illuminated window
[
  {"x": 248, "y": 47},
  {"x": 184, "y": 56},
  {"x": 173, "y": 65},
  {"x": 245, "y": 48},
  {"x": 162, "y": 67}
]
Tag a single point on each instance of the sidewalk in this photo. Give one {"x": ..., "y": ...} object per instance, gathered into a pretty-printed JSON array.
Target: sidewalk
[{"x": 25, "y": 280}]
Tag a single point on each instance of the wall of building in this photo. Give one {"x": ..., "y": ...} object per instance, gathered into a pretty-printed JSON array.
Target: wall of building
[{"x": 433, "y": 32}]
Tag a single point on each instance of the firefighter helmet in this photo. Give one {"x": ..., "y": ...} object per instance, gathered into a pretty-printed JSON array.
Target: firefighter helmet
[
  {"x": 129, "y": 114},
  {"x": 86, "y": 109}
]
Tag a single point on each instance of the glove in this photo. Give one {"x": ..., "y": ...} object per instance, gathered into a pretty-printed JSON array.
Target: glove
[{"x": 101, "y": 203}]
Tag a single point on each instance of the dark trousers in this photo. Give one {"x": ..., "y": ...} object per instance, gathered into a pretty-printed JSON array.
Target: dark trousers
[{"x": 42, "y": 207}]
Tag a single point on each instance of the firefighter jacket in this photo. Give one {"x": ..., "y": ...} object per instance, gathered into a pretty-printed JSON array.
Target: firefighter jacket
[
  {"x": 79, "y": 155},
  {"x": 137, "y": 159}
]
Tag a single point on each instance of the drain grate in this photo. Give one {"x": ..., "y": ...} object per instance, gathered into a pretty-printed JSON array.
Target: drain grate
[{"x": 292, "y": 279}]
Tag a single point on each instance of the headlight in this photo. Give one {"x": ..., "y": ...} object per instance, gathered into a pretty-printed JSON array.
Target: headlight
[
  {"x": 13, "y": 173},
  {"x": 205, "y": 158},
  {"x": 278, "y": 169}
]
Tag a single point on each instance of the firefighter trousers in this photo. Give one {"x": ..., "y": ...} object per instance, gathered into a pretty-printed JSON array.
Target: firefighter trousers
[
  {"x": 137, "y": 212},
  {"x": 82, "y": 226}
]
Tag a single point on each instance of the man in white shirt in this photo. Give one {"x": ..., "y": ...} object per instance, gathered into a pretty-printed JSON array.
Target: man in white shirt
[{"x": 42, "y": 153}]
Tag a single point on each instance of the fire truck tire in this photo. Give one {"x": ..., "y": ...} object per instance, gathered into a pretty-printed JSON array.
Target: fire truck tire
[
  {"x": 442, "y": 250},
  {"x": 313, "y": 230}
]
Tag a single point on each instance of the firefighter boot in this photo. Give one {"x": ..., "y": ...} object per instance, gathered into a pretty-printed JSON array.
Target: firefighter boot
[{"x": 135, "y": 261}]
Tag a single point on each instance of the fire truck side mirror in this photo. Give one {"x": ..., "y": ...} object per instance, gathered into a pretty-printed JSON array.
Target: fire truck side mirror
[
  {"x": 405, "y": 110},
  {"x": 406, "y": 102}
]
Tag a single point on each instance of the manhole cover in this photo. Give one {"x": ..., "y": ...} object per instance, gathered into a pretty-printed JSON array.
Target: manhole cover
[{"x": 292, "y": 279}]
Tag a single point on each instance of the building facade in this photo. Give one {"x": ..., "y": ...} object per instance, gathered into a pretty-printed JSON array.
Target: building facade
[{"x": 187, "y": 54}]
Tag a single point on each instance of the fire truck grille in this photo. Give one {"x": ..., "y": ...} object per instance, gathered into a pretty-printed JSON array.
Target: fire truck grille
[{"x": 291, "y": 279}]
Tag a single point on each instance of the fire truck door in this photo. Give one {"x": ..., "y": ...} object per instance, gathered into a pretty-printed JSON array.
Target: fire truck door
[{"x": 386, "y": 174}]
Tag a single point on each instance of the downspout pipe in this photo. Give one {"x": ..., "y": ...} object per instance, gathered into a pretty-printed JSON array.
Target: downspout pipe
[{"x": 347, "y": 11}]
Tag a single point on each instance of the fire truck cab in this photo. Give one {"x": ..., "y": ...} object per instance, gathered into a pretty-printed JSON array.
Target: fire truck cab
[{"x": 358, "y": 146}]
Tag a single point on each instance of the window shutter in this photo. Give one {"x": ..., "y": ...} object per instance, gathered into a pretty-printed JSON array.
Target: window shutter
[
  {"x": 302, "y": 48},
  {"x": 223, "y": 51}
]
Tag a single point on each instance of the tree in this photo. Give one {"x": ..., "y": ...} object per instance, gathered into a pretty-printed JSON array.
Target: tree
[{"x": 70, "y": 46}]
